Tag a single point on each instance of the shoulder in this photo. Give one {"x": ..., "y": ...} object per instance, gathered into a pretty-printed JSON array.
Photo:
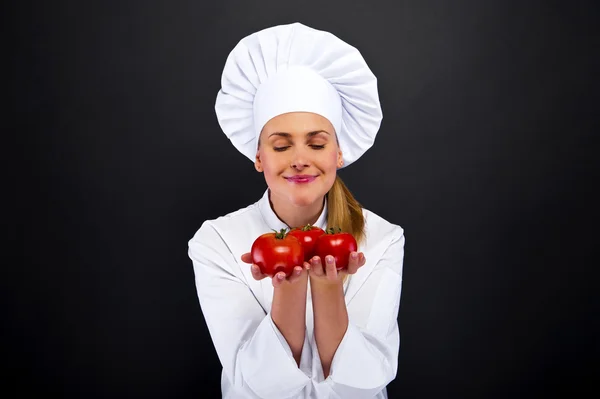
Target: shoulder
[
  {"x": 215, "y": 248},
  {"x": 228, "y": 224},
  {"x": 376, "y": 227},
  {"x": 231, "y": 234},
  {"x": 384, "y": 243}
]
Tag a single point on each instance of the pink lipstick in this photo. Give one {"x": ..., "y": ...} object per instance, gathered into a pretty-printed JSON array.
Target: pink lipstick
[{"x": 301, "y": 179}]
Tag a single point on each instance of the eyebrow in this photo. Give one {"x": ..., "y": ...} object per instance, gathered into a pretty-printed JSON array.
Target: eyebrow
[{"x": 309, "y": 134}]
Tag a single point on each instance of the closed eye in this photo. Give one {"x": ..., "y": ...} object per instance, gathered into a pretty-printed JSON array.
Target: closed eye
[{"x": 313, "y": 146}]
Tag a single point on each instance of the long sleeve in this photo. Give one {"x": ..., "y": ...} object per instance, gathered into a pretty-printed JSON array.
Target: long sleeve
[
  {"x": 255, "y": 357},
  {"x": 367, "y": 358}
]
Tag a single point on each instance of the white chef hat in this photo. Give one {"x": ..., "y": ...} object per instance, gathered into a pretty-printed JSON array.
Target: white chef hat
[{"x": 295, "y": 68}]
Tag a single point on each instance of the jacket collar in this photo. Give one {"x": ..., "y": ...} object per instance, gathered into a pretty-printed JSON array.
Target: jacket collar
[{"x": 273, "y": 221}]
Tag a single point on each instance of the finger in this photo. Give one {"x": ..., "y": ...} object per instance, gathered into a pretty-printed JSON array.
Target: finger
[
  {"x": 316, "y": 267},
  {"x": 278, "y": 279},
  {"x": 330, "y": 268},
  {"x": 247, "y": 257},
  {"x": 296, "y": 274},
  {"x": 353, "y": 263},
  {"x": 256, "y": 273},
  {"x": 307, "y": 266},
  {"x": 361, "y": 259}
]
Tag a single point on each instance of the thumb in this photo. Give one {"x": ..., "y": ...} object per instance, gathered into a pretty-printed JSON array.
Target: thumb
[{"x": 247, "y": 257}]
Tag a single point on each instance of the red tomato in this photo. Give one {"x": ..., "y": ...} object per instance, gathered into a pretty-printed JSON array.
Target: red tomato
[
  {"x": 339, "y": 245},
  {"x": 278, "y": 251},
  {"x": 307, "y": 235}
]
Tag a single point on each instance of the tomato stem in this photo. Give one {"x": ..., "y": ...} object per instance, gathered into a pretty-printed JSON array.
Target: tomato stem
[
  {"x": 307, "y": 227},
  {"x": 280, "y": 235}
]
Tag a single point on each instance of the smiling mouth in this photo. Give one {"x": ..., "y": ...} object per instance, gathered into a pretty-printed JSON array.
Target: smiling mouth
[{"x": 301, "y": 179}]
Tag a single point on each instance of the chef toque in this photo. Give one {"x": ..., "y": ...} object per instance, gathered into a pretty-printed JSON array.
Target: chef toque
[{"x": 295, "y": 68}]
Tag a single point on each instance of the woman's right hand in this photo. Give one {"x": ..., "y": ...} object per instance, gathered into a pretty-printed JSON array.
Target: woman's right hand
[{"x": 279, "y": 279}]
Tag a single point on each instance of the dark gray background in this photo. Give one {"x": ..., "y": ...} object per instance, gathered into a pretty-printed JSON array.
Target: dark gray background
[{"x": 484, "y": 157}]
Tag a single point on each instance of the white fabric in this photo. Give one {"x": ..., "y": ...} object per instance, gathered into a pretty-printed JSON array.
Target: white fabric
[
  {"x": 290, "y": 68},
  {"x": 257, "y": 361}
]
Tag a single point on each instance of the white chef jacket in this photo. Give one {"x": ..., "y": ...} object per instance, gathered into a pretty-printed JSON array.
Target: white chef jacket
[{"x": 256, "y": 359}]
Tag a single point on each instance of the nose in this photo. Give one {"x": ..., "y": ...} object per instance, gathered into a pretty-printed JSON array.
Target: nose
[{"x": 299, "y": 159}]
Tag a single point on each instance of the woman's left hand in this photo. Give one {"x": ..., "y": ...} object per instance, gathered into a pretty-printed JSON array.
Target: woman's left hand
[{"x": 326, "y": 272}]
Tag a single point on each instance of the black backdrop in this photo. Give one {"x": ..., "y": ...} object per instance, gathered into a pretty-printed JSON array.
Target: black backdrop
[{"x": 484, "y": 157}]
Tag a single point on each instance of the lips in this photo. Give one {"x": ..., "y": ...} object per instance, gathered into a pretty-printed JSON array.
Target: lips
[{"x": 301, "y": 178}]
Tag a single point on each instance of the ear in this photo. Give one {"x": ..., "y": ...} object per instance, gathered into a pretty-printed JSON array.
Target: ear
[
  {"x": 258, "y": 163},
  {"x": 340, "y": 159}
]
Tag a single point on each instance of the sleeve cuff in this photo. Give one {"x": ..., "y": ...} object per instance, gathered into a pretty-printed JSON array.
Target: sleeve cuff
[
  {"x": 361, "y": 366},
  {"x": 362, "y": 361},
  {"x": 268, "y": 364}
]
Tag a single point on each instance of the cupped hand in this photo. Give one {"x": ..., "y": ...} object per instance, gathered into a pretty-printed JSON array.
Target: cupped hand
[
  {"x": 327, "y": 272},
  {"x": 279, "y": 278}
]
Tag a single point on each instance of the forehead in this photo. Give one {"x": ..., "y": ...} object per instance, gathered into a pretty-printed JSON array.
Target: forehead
[{"x": 296, "y": 123}]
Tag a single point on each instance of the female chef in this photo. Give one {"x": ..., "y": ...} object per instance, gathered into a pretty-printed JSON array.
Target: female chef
[{"x": 300, "y": 104}]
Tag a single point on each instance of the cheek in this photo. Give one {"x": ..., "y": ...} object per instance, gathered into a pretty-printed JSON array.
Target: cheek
[
  {"x": 334, "y": 159},
  {"x": 271, "y": 164}
]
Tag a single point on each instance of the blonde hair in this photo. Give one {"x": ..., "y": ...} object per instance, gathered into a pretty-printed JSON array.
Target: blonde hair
[{"x": 345, "y": 212}]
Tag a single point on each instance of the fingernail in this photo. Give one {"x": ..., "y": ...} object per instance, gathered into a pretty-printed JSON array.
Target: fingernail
[
  {"x": 298, "y": 271},
  {"x": 329, "y": 259},
  {"x": 354, "y": 255},
  {"x": 314, "y": 261},
  {"x": 280, "y": 276}
]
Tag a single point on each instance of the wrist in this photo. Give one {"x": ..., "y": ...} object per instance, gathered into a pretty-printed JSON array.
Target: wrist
[
  {"x": 292, "y": 291},
  {"x": 322, "y": 282},
  {"x": 327, "y": 287},
  {"x": 290, "y": 299}
]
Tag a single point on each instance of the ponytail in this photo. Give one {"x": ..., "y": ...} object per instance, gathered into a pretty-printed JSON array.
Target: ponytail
[{"x": 344, "y": 211}]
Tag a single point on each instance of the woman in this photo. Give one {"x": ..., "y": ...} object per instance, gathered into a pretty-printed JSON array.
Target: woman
[{"x": 301, "y": 104}]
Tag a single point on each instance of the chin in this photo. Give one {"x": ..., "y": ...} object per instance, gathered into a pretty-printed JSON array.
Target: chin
[{"x": 303, "y": 199}]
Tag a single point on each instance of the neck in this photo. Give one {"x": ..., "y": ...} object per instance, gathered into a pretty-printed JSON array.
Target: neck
[{"x": 293, "y": 215}]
